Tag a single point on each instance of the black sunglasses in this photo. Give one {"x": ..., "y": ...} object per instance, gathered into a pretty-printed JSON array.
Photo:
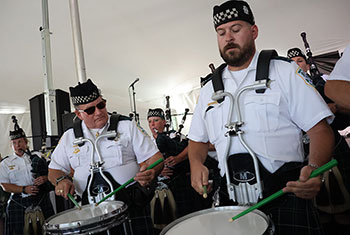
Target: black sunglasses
[{"x": 92, "y": 109}]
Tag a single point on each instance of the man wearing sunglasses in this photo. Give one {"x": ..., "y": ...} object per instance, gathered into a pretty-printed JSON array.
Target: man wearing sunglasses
[{"x": 128, "y": 155}]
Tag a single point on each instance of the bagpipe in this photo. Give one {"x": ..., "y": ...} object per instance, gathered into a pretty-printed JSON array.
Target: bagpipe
[
  {"x": 341, "y": 121},
  {"x": 314, "y": 72},
  {"x": 172, "y": 142}
]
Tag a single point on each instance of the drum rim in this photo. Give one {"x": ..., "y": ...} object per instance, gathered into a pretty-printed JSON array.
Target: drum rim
[
  {"x": 205, "y": 211},
  {"x": 81, "y": 223}
]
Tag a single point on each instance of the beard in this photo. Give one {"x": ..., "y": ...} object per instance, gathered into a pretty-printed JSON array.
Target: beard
[{"x": 237, "y": 59}]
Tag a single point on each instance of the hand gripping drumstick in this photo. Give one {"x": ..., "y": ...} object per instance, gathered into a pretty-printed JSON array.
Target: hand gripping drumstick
[
  {"x": 128, "y": 182},
  {"x": 279, "y": 193},
  {"x": 74, "y": 201},
  {"x": 205, "y": 194}
]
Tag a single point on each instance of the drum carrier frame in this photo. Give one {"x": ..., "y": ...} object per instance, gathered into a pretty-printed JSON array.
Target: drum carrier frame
[{"x": 243, "y": 193}]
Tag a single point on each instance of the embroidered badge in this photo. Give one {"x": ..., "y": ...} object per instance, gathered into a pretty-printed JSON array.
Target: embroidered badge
[
  {"x": 12, "y": 167},
  {"x": 245, "y": 9},
  {"x": 305, "y": 77},
  {"x": 77, "y": 150}
]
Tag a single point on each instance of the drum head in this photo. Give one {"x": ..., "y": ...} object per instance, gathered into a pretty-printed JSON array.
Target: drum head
[
  {"x": 86, "y": 218},
  {"x": 216, "y": 221}
]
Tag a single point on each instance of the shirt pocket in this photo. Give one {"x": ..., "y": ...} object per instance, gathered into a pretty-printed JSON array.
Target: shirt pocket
[
  {"x": 214, "y": 123},
  {"x": 261, "y": 112},
  {"x": 112, "y": 153},
  {"x": 80, "y": 156},
  {"x": 15, "y": 174}
]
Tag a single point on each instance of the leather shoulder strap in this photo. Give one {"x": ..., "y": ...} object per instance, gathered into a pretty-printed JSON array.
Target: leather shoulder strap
[{"x": 262, "y": 71}]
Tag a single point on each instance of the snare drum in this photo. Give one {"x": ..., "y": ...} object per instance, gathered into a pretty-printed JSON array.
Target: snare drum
[
  {"x": 216, "y": 221},
  {"x": 89, "y": 220}
]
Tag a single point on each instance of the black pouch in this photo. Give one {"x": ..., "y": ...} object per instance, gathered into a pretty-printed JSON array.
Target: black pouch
[
  {"x": 241, "y": 167},
  {"x": 140, "y": 196},
  {"x": 134, "y": 195}
]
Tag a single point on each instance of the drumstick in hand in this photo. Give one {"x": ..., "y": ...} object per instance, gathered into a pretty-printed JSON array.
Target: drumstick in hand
[
  {"x": 205, "y": 195},
  {"x": 277, "y": 194},
  {"x": 74, "y": 201},
  {"x": 128, "y": 182}
]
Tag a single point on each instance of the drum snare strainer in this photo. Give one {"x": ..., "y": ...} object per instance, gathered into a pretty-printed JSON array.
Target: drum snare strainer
[{"x": 216, "y": 221}]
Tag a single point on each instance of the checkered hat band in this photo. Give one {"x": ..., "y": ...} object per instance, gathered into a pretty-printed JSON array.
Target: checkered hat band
[
  {"x": 77, "y": 100},
  {"x": 295, "y": 53},
  {"x": 226, "y": 15},
  {"x": 155, "y": 113}
]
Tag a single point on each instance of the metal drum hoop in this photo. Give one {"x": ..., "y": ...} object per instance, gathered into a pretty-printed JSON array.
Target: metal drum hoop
[{"x": 89, "y": 226}]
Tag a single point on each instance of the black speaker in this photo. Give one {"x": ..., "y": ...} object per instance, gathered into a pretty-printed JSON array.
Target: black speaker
[
  {"x": 37, "y": 115},
  {"x": 62, "y": 108},
  {"x": 67, "y": 120}
]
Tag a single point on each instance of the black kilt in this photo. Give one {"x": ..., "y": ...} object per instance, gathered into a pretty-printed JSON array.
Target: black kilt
[
  {"x": 17, "y": 206},
  {"x": 290, "y": 215}
]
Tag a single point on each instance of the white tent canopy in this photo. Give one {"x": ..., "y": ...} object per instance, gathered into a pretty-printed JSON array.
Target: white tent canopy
[{"x": 167, "y": 44}]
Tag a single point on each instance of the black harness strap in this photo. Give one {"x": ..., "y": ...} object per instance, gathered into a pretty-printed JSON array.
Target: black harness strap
[
  {"x": 114, "y": 120},
  {"x": 217, "y": 80},
  {"x": 114, "y": 124},
  {"x": 78, "y": 131},
  {"x": 262, "y": 71}
]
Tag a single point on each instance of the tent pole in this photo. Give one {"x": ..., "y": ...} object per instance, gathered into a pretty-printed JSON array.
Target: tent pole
[
  {"x": 49, "y": 93},
  {"x": 77, "y": 41}
]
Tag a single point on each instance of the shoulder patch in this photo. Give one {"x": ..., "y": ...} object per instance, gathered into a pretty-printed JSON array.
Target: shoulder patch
[
  {"x": 141, "y": 129},
  {"x": 282, "y": 58},
  {"x": 305, "y": 77}
]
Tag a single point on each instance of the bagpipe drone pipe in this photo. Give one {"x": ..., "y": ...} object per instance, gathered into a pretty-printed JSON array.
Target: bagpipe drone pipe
[{"x": 341, "y": 121}]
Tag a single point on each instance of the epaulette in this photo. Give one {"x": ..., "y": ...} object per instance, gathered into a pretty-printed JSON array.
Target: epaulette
[
  {"x": 4, "y": 158},
  {"x": 206, "y": 79},
  {"x": 124, "y": 118}
]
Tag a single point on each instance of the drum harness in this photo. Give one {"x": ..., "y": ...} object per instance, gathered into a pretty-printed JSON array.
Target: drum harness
[
  {"x": 95, "y": 183},
  {"x": 243, "y": 193}
]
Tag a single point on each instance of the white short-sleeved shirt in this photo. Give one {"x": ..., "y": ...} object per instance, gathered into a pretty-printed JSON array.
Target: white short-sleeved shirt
[
  {"x": 341, "y": 70},
  {"x": 272, "y": 121},
  {"x": 16, "y": 170},
  {"x": 121, "y": 156}
]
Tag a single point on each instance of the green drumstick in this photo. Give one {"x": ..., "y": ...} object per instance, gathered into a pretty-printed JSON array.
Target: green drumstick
[
  {"x": 128, "y": 182},
  {"x": 279, "y": 193},
  {"x": 74, "y": 201},
  {"x": 205, "y": 194}
]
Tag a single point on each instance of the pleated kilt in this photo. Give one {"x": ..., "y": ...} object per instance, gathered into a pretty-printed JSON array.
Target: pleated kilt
[{"x": 17, "y": 206}]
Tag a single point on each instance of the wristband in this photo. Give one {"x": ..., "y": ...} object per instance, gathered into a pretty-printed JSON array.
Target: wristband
[
  {"x": 313, "y": 166},
  {"x": 59, "y": 179}
]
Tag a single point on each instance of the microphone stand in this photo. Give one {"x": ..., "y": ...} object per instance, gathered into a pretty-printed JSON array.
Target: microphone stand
[{"x": 133, "y": 113}]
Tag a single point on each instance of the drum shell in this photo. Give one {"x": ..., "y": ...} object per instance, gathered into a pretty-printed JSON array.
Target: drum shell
[
  {"x": 108, "y": 215},
  {"x": 229, "y": 212}
]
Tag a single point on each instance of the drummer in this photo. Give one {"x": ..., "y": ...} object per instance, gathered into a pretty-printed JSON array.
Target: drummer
[
  {"x": 24, "y": 175},
  {"x": 273, "y": 121},
  {"x": 129, "y": 154}
]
